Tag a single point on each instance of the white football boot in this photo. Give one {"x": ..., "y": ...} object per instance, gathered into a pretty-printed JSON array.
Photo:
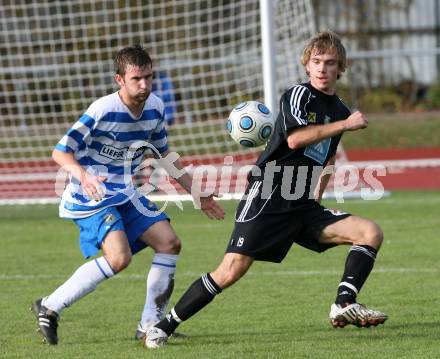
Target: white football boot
[
  {"x": 141, "y": 330},
  {"x": 356, "y": 314},
  {"x": 155, "y": 338}
]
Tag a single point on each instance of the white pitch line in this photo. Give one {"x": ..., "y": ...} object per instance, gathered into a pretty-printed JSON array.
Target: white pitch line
[{"x": 6, "y": 277}]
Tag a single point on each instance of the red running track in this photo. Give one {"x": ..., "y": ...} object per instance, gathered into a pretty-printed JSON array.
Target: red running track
[
  {"x": 396, "y": 178},
  {"x": 403, "y": 178}
]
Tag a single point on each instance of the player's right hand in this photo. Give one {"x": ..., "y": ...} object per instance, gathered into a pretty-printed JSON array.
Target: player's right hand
[
  {"x": 92, "y": 186},
  {"x": 356, "y": 121},
  {"x": 211, "y": 208}
]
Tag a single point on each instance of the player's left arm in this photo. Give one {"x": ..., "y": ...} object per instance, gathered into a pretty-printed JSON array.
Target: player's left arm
[
  {"x": 324, "y": 178},
  {"x": 206, "y": 202}
]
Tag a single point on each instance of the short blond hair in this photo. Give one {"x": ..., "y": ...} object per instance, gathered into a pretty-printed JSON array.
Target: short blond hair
[{"x": 323, "y": 42}]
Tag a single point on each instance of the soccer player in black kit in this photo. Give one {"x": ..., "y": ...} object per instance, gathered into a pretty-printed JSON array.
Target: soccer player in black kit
[{"x": 282, "y": 206}]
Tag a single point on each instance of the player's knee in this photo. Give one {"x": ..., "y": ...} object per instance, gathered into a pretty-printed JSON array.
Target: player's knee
[
  {"x": 373, "y": 235},
  {"x": 120, "y": 262},
  {"x": 170, "y": 244}
]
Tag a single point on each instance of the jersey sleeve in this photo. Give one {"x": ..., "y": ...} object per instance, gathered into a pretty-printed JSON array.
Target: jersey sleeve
[
  {"x": 159, "y": 137},
  {"x": 169, "y": 100},
  {"x": 76, "y": 136},
  {"x": 294, "y": 108}
]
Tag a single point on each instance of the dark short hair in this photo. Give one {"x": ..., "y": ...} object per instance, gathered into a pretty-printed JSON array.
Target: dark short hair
[{"x": 135, "y": 55}]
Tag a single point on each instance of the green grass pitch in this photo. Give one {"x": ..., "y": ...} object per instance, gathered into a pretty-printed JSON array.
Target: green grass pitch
[{"x": 276, "y": 311}]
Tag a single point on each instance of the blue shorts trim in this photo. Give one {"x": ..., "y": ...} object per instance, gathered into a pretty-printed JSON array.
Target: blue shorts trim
[{"x": 131, "y": 219}]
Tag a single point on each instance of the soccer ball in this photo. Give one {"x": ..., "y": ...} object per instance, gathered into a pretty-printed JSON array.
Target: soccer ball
[{"x": 250, "y": 124}]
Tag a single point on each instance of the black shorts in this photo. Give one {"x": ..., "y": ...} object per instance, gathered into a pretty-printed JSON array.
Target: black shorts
[{"x": 266, "y": 228}]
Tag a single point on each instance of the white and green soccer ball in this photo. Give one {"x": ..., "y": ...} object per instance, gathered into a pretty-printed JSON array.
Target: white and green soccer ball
[{"x": 250, "y": 124}]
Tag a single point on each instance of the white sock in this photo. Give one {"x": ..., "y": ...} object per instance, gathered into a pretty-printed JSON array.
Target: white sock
[
  {"x": 82, "y": 282},
  {"x": 160, "y": 285}
]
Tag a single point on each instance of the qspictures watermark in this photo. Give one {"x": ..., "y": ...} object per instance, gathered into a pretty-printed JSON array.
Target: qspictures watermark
[{"x": 296, "y": 181}]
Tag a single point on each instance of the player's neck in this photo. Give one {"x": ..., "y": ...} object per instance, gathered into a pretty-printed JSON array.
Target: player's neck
[
  {"x": 327, "y": 90},
  {"x": 134, "y": 107}
]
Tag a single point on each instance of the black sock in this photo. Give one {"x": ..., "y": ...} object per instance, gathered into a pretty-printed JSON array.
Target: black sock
[
  {"x": 198, "y": 295},
  {"x": 358, "y": 265}
]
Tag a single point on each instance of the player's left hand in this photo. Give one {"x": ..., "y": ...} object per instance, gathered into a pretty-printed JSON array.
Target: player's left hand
[{"x": 211, "y": 208}]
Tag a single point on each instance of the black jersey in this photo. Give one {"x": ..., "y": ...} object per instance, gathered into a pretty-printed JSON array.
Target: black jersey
[{"x": 302, "y": 105}]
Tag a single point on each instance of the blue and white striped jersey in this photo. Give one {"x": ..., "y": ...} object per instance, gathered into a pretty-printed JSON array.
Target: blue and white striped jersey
[{"x": 100, "y": 141}]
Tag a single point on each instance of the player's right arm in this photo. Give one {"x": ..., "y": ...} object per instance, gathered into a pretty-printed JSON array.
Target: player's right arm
[
  {"x": 64, "y": 154},
  {"x": 92, "y": 185},
  {"x": 298, "y": 132},
  {"x": 307, "y": 135}
]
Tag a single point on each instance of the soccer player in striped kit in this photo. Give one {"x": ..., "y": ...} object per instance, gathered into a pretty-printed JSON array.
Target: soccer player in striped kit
[
  {"x": 282, "y": 202},
  {"x": 101, "y": 152}
]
